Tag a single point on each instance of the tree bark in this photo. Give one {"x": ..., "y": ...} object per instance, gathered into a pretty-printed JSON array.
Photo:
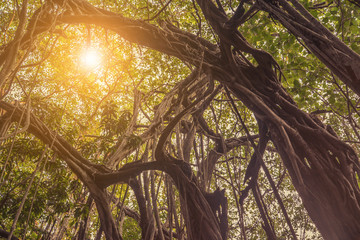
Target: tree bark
[{"x": 323, "y": 168}]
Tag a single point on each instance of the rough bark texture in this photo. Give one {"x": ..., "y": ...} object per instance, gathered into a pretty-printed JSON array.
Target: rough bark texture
[{"x": 323, "y": 174}]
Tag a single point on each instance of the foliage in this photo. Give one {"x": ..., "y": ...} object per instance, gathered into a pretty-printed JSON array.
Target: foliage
[{"x": 116, "y": 112}]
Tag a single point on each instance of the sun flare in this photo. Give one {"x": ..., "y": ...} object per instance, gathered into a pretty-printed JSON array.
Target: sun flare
[{"x": 90, "y": 58}]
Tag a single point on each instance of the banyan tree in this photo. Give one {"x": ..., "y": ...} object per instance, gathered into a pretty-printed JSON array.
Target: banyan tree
[{"x": 157, "y": 119}]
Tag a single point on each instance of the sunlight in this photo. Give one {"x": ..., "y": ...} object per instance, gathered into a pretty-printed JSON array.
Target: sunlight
[{"x": 90, "y": 58}]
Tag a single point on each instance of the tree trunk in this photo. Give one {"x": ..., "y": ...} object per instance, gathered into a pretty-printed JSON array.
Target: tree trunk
[{"x": 323, "y": 169}]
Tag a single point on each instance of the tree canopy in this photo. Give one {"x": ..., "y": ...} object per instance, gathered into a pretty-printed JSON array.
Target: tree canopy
[{"x": 171, "y": 119}]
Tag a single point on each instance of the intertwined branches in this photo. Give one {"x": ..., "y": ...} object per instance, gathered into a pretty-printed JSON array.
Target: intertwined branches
[{"x": 323, "y": 169}]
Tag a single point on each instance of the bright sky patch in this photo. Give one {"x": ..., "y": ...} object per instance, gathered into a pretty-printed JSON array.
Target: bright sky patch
[{"x": 90, "y": 58}]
